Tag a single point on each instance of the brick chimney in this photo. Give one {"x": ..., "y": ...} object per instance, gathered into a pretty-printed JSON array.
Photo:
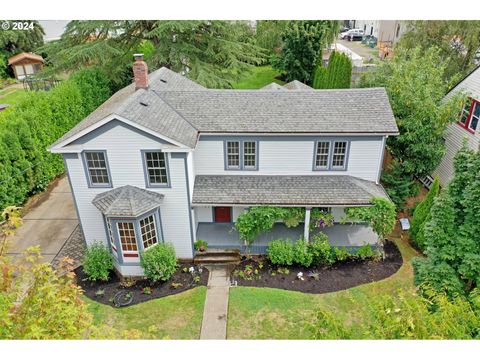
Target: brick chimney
[{"x": 140, "y": 72}]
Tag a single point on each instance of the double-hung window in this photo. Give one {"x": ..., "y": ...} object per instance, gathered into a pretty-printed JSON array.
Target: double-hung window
[
  {"x": 339, "y": 157},
  {"x": 233, "y": 154},
  {"x": 249, "y": 154},
  {"x": 322, "y": 155},
  {"x": 241, "y": 155},
  {"x": 97, "y": 168},
  {"x": 330, "y": 155},
  {"x": 156, "y": 170}
]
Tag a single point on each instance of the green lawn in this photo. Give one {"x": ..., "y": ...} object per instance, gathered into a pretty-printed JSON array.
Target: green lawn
[
  {"x": 11, "y": 96},
  {"x": 262, "y": 313},
  {"x": 174, "y": 317},
  {"x": 258, "y": 77}
]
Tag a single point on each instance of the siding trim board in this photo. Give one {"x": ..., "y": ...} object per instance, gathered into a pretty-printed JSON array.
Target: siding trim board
[
  {"x": 289, "y": 137},
  {"x": 145, "y": 171},
  {"x": 189, "y": 205},
  {"x": 73, "y": 156}
]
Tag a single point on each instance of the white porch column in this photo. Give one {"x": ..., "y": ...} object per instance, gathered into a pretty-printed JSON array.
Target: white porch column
[{"x": 306, "y": 230}]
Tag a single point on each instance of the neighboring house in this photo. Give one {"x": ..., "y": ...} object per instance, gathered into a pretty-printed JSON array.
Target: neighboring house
[
  {"x": 165, "y": 159},
  {"x": 465, "y": 128},
  {"x": 388, "y": 31}
]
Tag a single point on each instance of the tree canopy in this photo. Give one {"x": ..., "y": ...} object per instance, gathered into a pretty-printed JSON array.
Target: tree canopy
[
  {"x": 302, "y": 48},
  {"x": 458, "y": 42},
  {"x": 415, "y": 85},
  {"x": 452, "y": 262},
  {"x": 213, "y": 53},
  {"x": 17, "y": 41}
]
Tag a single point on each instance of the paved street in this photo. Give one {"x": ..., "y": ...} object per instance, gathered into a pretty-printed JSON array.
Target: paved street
[{"x": 49, "y": 223}]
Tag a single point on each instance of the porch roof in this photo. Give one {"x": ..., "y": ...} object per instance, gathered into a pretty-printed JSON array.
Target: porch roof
[
  {"x": 303, "y": 190},
  {"x": 127, "y": 200}
]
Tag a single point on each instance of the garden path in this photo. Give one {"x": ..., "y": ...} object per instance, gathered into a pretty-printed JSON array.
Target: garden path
[{"x": 214, "y": 323}]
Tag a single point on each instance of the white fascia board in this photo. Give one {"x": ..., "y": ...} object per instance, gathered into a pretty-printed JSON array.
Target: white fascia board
[{"x": 58, "y": 148}]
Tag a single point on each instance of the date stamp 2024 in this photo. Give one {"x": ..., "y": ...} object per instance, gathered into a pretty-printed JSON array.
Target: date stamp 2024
[{"x": 17, "y": 25}]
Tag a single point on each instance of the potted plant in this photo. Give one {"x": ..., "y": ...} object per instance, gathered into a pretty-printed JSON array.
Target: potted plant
[{"x": 201, "y": 245}]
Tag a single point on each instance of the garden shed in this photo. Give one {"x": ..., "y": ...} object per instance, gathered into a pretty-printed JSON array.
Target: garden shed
[{"x": 25, "y": 64}]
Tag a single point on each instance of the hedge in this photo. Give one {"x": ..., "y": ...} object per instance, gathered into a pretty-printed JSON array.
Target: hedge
[{"x": 28, "y": 128}]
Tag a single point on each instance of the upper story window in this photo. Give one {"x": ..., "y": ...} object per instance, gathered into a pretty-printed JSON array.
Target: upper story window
[
  {"x": 249, "y": 154},
  {"x": 339, "y": 155},
  {"x": 97, "y": 168},
  {"x": 241, "y": 155},
  {"x": 322, "y": 154},
  {"x": 470, "y": 115},
  {"x": 156, "y": 169},
  {"x": 331, "y": 155},
  {"x": 233, "y": 154}
]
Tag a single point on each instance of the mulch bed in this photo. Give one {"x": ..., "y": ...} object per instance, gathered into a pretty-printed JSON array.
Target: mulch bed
[
  {"x": 340, "y": 276},
  {"x": 110, "y": 288}
]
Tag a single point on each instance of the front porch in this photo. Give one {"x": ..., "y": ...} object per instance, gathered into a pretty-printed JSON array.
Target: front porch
[{"x": 224, "y": 236}]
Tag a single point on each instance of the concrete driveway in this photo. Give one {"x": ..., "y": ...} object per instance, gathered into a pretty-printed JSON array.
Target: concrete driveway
[{"x": 49, "y": 223}]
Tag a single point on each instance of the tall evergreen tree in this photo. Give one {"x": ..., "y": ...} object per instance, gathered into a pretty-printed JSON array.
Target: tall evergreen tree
[
  {"x": 337, "y": 75},
  {"x": 302, "y": 48},
  {"x": 451, "y": 236},
  {"x": 214, "y": 53}
]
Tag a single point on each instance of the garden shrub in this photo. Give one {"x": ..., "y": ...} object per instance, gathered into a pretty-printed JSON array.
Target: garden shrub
[
  {"x": 97, "y": 262},
  {"x": 159, "y": 262},
  {"x": 341, "y": 254},
  {"x": 321, "y": 250},
  {"x": 398, "y": 184},
  {"x": 302, "y": 254},
  {"x": 366, "y": 252},
  {"x": 280, "y": 252},
  {"x": 28, "y": 128}
]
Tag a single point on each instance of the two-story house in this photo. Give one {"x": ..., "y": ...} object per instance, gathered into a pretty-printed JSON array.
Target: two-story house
[
  {"x": 466, "y": 128},
  {"x": 165, "y": 159}
]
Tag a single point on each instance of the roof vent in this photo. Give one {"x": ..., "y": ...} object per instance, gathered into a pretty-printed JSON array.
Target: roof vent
[
  {"x": 163, "y": 81},
  {"x": 143, "y": 103}
]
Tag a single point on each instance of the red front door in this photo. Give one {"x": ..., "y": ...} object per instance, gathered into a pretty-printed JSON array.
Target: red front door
[{"x": 223, "y": 214}]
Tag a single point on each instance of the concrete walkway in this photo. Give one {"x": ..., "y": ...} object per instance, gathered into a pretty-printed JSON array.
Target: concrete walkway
[
  {"x": 49, "y": 223},
  {"x": 214, "y": 323}
]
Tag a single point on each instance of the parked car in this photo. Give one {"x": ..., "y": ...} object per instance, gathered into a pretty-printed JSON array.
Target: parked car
[
  {"x": 343, "y": 34},
  {"x": 355, "y": 34}
]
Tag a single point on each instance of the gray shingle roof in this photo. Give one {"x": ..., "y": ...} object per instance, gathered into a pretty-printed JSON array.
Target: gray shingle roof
[
  {"x": 178, "y": 108},
  {"x": 316, "y": 111},
  {"x": 127, "y": 201},
  {"x": 297, "y": 85},
  {"x": 157, "y": 116},
  {"x": 273, "y": 86},
  {"x": 313, "y": 190}
]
